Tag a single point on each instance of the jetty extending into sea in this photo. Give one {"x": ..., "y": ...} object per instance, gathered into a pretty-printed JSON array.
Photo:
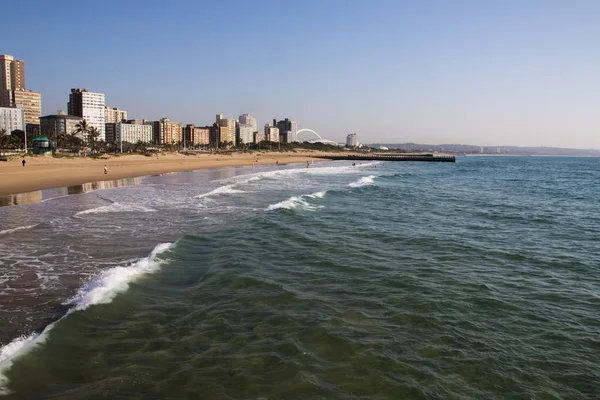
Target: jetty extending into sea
[{"x": 390, "y": 157}]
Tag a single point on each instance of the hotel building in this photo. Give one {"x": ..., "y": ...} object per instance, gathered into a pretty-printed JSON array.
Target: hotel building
[{"x": 88, "y": 106}]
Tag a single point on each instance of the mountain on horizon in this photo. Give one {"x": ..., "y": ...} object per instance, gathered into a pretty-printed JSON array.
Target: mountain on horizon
[{"x": 506, "y": 150}]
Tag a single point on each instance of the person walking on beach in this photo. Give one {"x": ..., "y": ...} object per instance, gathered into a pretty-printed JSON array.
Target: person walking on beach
[
  {"x": 105, "y": 170},
  {"x": 23, "y": 162}
]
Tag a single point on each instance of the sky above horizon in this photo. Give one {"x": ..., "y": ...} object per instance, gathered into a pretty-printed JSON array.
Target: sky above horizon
[{"x": 521, "y": 73}]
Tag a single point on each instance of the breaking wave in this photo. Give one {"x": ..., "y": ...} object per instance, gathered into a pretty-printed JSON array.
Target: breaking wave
[
  {"x": 101, "y": 290},
  {"x": 227, "y": 189},
  {"x": 364, "y": 181},
  {"x": 116, "y": 208},
  {"x": 298, "y": 202},
  {"x": 19, "y": 228}
]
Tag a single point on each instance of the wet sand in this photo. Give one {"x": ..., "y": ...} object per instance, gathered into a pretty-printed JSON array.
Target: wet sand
[{"x": 45, "y": 172}]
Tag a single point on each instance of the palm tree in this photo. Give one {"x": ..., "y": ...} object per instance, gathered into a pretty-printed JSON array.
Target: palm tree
[
  {"x": 82, "y": 128},
  {"x": 93, "y": 135}
]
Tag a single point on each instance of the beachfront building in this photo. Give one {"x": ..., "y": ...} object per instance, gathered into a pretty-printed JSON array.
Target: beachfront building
[
  {"x": 259, "y": 137},
  {"x": 351, "y": 140},
  {"x": 166, "y": 132},
  {"x": 287, "y": 130},
  {"x": 196, "y": 136},
  {"x": 114, "y": 115},
  {"x": 89, "y": 106},
  {"x": 13, "y": 91},
  {"x": 245, "y": 133},
  {"x": 247, "y": 119},
  {"x": 31, "y": 103},
  {"x": 11, "y": 119},
  {"x": 134, "y": 133},
  {"x": 12, "y": 76},
  {"x": 51, "y": 125},
  {"x": 271, "y": 133},
  {"x": 227, "y": 130}
]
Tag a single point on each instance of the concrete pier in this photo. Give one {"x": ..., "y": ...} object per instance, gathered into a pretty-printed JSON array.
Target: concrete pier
[{"x": 391, "y": 157}]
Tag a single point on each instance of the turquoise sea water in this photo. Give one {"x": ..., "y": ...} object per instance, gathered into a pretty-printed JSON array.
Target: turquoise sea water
[{"x": 474, "y": 280}]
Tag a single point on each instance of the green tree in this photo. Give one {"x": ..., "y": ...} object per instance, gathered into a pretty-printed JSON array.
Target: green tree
[
  {"x": 92, "y": 138},
  {"x": 82, "y": 129}
]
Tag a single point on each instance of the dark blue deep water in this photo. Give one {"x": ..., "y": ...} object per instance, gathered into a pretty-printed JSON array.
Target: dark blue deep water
[{"x": 474, "y": 280}]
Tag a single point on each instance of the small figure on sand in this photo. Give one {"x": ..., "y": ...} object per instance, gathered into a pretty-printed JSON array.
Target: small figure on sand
[
  {"x": 23, "y": 162},
  {"x": 307, "y": 164},
  {"x": 105, "y": 170}
]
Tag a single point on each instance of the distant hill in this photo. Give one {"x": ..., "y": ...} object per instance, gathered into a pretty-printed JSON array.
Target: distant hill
[{"x": 470, "y": 149}]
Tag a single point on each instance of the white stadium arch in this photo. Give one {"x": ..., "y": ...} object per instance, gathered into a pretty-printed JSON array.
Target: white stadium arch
[{"x": 311, "y": 131}]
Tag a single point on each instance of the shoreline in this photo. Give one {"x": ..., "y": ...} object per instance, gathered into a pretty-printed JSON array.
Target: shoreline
[{"x": 47, "y": 172}]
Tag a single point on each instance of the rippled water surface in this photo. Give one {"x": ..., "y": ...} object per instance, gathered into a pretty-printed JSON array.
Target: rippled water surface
[{"x": 479, "y": 279}]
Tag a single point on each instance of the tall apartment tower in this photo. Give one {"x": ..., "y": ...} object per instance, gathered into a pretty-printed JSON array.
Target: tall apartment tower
[
  {"x": 13, "y": 91},
  {"x": 88, "y": 106},
  {"x": 13, "y": 77},
  {"x": 247, "y": 119},
  {"x": 351, "y": 140}
]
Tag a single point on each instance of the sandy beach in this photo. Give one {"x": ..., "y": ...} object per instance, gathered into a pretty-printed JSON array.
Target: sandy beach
[{"x": 45, "y": 172}]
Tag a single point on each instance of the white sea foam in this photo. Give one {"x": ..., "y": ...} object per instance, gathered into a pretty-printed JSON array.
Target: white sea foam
[
  {"x": 287, "y": 173},
  {"x": 19, "y": 228},
  {"x": 116, "y": 280},
  {"x": 298, "y": 202},
  {"x": 227, "y": 189},
  {"x": 100, "y": 291},
  {"x": 116, "y": 208},
  {"x": 364, "y": 181}
]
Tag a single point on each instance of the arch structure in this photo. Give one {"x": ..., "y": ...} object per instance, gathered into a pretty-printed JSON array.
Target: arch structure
[{"x": 311, "y": 131}]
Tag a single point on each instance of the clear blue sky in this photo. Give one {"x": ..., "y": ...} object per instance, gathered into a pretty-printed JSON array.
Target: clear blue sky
[{"x": 474, "y": 72}]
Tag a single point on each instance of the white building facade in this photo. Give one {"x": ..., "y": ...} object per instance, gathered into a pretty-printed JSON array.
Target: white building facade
[
  {"x": 351, "y": 140},
  {"x": 246, "y": 133},
  {"x": 88, "y": 106},
  {"x": 134, "y": 133},
  {"x": 247, "y": 119},
  {"x": 12, "y": 118},
  {"x": 93, "y": 111}
]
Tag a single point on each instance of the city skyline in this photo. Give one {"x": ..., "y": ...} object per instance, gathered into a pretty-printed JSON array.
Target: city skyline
[{"x": 488, "y": 74}]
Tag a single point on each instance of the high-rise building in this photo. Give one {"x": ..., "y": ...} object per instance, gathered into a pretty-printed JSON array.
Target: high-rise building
[
  {"x": 351, "y": 140},
  {"x": 13, "y": 91},
  {"x": 88, "y": 106},
  {"x": 114, "y": 115},
  {"x": 247, "y": 119},
  {"x": 271, "y": 133},
  {"x": 166, "y": 131},
  {"x": 32, "y": 104},
  {"x": 134, "y": 133},
  {"x": 259, "y": 137},
  {"x": 196, "y": 136},
  {"x": 11, "y": 119},
  {"x": 227, "y": 129},
  {"x": 245, "y": 133},
  {"x": 288, "y": 131},
  {"x": 13, "y": 77}
]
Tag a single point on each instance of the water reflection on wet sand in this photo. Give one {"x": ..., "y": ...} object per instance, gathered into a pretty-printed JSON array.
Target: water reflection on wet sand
[{"x": 41, "y": 195}]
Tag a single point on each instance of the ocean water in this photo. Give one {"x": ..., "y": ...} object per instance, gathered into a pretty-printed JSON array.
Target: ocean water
[{"x": 474, "y": 280}]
